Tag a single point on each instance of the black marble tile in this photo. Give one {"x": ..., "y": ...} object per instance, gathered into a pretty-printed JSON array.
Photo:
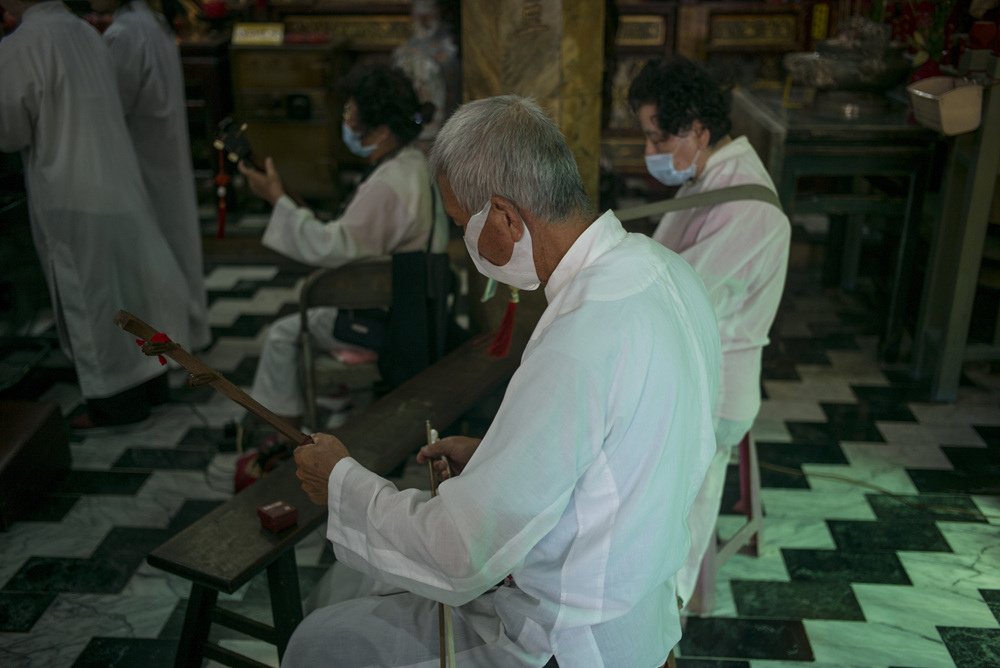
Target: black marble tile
[
  {"x": 860, "y": 418},
  {"x": 845, "y": 424},
  {"x": 80, "y": 576},
  {"x": 102, "y": 482},
  {"x": 838, "y": 566},
  {"x": 796, "y": 600},
  {"x": 720, "y": 637},
  {"x": 796, "y": 453},
  {"x": 19, "y": 612},
  {"x": 971, "y": 647},
  {"x": 191, "y": 511},
  {"x": 709, "y": 663},
  {"x": 924, "y": 507},
  {"x": 876, "y": 536},
  {"x": 891, "y": 398},
  {"x": 989, "y": 433},
  {"x": 127, "y": 653},
  {"x": 936, "y": 481},
  {"x": 243, "y": 374},
  {"x": 992, "y": 599},
  {"x": 978, "y": 461},
  {"x": 52, "y": 508},
  {"x": 779, "y": 367},
  {"x": 165, "y": 459},
  {"x": 801, "y": 350}
]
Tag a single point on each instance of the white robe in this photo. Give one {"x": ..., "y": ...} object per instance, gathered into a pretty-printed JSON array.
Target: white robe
[
  {"x": 391, "y": 212},
  {"x": 579, "y": 489},
  {"x": 151, "y": 83},
  {"x": 91, "y": 218},
  {"x": 740, "y": 250}
]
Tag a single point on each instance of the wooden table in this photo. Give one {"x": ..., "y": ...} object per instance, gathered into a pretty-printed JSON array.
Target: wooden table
[{"x": 880, "y": 144}]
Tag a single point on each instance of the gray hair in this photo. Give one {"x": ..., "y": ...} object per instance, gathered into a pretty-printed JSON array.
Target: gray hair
[{"x": 508, "y": 146}]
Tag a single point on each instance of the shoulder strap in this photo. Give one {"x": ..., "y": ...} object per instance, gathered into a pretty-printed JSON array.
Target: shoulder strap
[{"x": 747, "y": 191}]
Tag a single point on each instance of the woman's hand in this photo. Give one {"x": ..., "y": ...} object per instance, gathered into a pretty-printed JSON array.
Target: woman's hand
[
  {"x": 457, "y": 449},
  {"x": 265, "y": 185}
]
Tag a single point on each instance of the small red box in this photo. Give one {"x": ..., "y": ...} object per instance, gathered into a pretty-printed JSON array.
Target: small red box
[{"x": 277, "y": 516}]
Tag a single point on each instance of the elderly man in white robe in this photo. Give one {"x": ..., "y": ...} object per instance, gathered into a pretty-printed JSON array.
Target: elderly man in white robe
[
  {"x": 739, "y": 248},
  {"x": 575, "y": 500},
  {"x": 91, "y": 218}
]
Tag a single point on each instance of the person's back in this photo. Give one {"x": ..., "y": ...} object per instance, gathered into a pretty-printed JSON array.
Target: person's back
[
  {"x": 151, "y": 85},
  {"x": 91, "y": 217}
]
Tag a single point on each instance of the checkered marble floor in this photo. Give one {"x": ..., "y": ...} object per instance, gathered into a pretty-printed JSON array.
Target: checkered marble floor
[{"x": 881, "y": 544}]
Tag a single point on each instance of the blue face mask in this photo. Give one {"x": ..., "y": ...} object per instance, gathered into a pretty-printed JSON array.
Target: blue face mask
[
  {"x": 352, "y": 140},
  {"x": 661, "y": 167}
]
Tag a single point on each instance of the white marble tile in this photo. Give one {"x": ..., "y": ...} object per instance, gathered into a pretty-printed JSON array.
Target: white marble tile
[
  {"x": 984, "y": 412},
  {"x": 778, "y": 532},
  {"x": 876, "y": 644},
  {"x": 989, "y": 506},
  {"x": 800, "y": 410},
  {"x": 973, "y": 538},
  {"x": 102, "y": 513},
  {"x": 151, "y": 582},
  {"x": 767, "y": 566},
  {"x": 835, "y": 477},
  {"x": 953, "y": 572},
  {"x": 885, "y": 456},
  {"x": 225, "y": 278},
  {"x": 163, "y": 485},
  {"x": 771, "y": 429},
  {"x": 816, "y": 388},
  {"x": 845, "y": 503},
  {"x": 915, "y": 433},
  {"x": 255, "y": 649},
  {"x": 906, "y": 606}
]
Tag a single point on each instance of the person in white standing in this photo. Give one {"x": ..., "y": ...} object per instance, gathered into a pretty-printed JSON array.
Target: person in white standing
[
  {"x": 151, "y": 83},
  {"x": 739, "y": 248},
  {"x": 91, "y": 218},
  {"x": 575, "y": 500}
]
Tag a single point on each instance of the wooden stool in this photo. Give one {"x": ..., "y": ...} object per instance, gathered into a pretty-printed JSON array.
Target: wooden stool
[
  {"x": 34, "y": 455},
  {"x": 748, "y": 539}
]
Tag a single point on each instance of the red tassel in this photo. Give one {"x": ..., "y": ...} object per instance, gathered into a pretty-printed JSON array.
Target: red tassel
[
  {"x": 505, "y": 334},
  {"x": 159, "y": 337}
]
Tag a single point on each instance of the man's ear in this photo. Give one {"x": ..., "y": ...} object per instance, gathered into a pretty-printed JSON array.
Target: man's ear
[{"x": 511, "y": 221}]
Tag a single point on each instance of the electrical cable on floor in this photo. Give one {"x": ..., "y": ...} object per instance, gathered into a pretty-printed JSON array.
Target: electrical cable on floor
[{"x": 924, "y": 507}]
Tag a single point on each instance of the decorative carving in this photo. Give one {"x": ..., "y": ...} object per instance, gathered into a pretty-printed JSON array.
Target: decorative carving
[
  {"x": 621, "y": 116},
  {"x": 375, "y": 31},
  {"x": 626, "y": 153},
  {"x": 531, "y": 18},
  {"x": 748, "y": 30},
  {"x": 637, "y": 30}
]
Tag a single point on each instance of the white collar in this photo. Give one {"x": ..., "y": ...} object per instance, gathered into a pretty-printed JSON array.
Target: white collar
[{"x": 600, "y": 236}]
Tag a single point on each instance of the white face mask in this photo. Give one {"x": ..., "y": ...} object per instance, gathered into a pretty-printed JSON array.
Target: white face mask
[{"x": 519, "y": 272}]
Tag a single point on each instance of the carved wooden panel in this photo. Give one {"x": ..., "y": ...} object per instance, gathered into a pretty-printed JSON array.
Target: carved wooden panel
[{"x": 374, "y": 32}]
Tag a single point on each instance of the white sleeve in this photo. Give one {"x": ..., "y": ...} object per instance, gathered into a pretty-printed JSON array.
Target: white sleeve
[
  {"x": 129, "y": 61},
  {"x": 482, "y": 524},
  {"x": 371, "y": 226}
]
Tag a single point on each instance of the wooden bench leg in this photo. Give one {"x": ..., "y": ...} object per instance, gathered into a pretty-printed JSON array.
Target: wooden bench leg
[
  {"x": 197, "y": 622},
  {"x": 286, "y": 602}
]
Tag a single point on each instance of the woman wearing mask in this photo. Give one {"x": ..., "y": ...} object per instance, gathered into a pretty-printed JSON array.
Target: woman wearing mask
[
  {"x": 739, "y": 249},
  {"x": 151, "y": 87},
  {"x": 394, "y": 210}
]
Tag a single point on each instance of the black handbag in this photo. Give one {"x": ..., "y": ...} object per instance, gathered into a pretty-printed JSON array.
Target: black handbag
[{"x": 367, "y": 327}]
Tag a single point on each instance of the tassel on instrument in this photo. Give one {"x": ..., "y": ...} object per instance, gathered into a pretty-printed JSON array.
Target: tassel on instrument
[{"x": 505, "y": 334}]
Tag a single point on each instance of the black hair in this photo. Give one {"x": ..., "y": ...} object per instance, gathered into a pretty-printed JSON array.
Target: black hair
[
  {"x": 683, "y": 92},
  {"x": 385, "y": 96}
]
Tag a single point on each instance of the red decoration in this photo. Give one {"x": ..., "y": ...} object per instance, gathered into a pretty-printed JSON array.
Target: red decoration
[
  {"x": 159, "y": 337},
  {"x": 505, "y": 334}
]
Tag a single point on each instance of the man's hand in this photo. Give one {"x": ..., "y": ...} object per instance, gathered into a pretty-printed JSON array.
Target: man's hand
[
  {"x": 315, "y": 461},
  {"x": 458, "y": 450},
  {"x": 265, "y": 185}
]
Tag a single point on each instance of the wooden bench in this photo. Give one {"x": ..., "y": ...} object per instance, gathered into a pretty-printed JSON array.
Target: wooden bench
[{"x": 227, "y": 547}]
